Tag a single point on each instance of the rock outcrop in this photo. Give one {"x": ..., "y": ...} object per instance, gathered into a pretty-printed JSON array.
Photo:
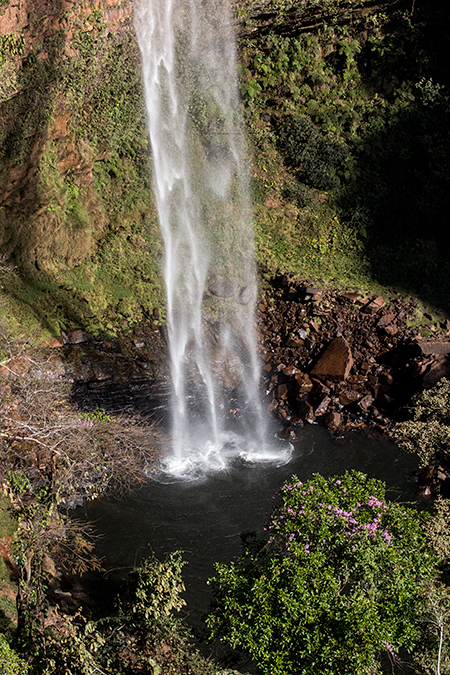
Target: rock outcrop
[{"x": 343, "y": 359}]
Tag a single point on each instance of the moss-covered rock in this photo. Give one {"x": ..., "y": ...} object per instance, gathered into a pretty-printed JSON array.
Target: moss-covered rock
[{"x": 76, "y": 210}]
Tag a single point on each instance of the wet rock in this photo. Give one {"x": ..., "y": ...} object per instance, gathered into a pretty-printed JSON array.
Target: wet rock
[
  {"x": 385, "y": 320},
  {"x": 76, "y": 337},
  {"x": 391, "y": 330},
  {"x": 306, "y": 412},
  {"x": 289, "y": 433},
  {"x": 375, "y": 345},
  {"x": 387, "y": 378},
  {"x": 245, "y": 295},
  {"x": 320, "y": 388},
  {"x": 290, "y": 370},
  {"x": 272, "y": 406},
  {"x": 336, "y": 362},
  {"x": 348, "y": 396},
  {"x": 365, "y": 367},
  {"x": 332, "y": 420},
  {"x": 312, "y": 293},
  {"x": 372, "y": 380},
  {"x": 365, "y": 403},
  {"x": 296, "y": 421},
  {"x": 434, "y": 347},
  {"x": 438, "y": 368},
  {"x": 294, "y": 342},
  {"x": 322, "y": 407},
  {"x": 227, "y": 367},
  {"x": 282, "y": 391},
  {"x": 222, "y": 287},
  {"x": 304, "y": 383}
]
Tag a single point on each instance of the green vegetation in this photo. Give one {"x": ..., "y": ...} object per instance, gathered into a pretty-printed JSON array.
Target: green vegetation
[
  {"x": 428, "y": 433},
  {"x": 84, "y": 237},
  {"x": 10, "y": 661},
  {"x": 142, "y": 636},
  {"x": 8, "y": 588},
  {"x": 348, "y": 112},
  {"x": 339, "y": 581}
]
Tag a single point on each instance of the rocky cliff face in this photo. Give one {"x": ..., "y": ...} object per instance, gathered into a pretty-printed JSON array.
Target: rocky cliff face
[{"x": 74, "y": 175}]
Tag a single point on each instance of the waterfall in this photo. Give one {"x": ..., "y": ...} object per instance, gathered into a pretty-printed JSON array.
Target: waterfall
[{"x": 201, "y": 185}]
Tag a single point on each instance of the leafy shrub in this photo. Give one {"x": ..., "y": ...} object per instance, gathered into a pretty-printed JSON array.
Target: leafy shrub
[
  {"x": 143, "y": 636},
  {"x": 438, "y": 529},
  {"x": 316, "y": 158},
  {"x": 298, "y": 193},
  {"x": 337, "y": 583},
  {"x": 155, "y": 589},
  {"x": 428, "y": 433},
  {"x": 10, "y": 661}
]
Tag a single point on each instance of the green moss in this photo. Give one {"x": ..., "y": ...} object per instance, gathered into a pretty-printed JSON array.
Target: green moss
[
  {"x": 8, "y": 526},
  {"x": 87, "y": 251}
]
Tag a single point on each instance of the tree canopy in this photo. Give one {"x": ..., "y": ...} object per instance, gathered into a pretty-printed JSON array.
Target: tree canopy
[{"x": 337, "y": 583}]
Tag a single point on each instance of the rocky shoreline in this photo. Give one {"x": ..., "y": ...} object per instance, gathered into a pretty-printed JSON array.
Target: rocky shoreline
[{"x": 344, "y": 359}]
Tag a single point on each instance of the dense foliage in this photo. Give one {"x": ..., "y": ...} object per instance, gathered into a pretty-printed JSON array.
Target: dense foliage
[
  {"x": 336, "y": 584},
  {"x": 10, "y": 662},
  {"x": 141, "y": 636},
  {"x": 428, "y": 433},
  {"x": 354, "y": 98}
]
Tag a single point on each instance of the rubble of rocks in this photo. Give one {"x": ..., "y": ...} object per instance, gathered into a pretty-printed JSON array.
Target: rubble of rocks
[{"x": 343, "y": 359}]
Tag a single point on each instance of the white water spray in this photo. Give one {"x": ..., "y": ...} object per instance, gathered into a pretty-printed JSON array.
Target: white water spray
[{"x": 201, "y": 186}]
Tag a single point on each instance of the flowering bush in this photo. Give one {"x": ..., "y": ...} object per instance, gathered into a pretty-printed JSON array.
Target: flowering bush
[{"x": 337, "y": 583}]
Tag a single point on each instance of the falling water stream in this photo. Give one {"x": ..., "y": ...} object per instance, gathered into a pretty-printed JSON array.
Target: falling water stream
[
  {"x": 202, "y": 192},
  {"x": 220, "y": 436}
]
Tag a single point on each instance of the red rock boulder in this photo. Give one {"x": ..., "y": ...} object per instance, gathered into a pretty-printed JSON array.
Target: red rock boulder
[{"x": 335, "y": 363}]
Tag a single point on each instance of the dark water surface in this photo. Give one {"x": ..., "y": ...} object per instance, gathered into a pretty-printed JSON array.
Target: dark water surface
[{"x": 204, "y": 518}]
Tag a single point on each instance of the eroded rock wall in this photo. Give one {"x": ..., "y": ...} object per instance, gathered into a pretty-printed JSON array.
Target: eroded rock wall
[{"x": 55, "y": 77}]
